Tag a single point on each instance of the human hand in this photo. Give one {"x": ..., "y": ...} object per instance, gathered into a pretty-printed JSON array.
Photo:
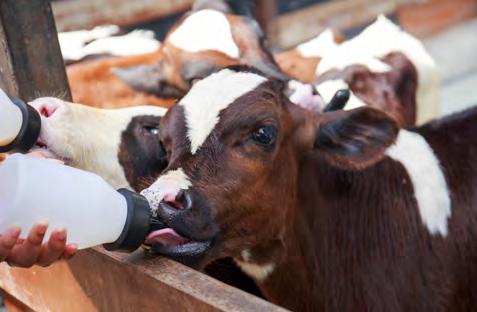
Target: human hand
[{"x": 31, "y": 251}]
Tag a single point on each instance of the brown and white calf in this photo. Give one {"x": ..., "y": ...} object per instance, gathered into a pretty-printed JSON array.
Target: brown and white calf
[
  {"x": 396, "y": 75},
  {"x": 381, "y": 63},
  {"x": 339, "y": 211},
  {"x": 300, "y": 62},
  {"x": 94, "y": 84},
  {"x": 384, "y": 67},
  {"x": 203, "y": 41},
  {"x": 120, "y": 145}
]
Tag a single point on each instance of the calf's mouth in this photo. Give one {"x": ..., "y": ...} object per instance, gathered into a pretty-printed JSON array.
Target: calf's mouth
[
  {"x": 183, "y": 229},
  {"x": 42, "y": 150}
]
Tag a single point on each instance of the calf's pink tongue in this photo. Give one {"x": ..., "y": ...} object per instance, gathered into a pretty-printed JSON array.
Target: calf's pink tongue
[{"x": 165, "y": 237}]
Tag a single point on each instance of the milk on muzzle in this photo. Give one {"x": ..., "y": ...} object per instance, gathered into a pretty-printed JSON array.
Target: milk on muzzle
[
  {"x": 36, "y": 190},
  {"x": 19, "y": 124}
]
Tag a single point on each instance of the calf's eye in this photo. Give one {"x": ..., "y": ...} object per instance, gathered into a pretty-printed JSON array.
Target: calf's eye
[
  {"x": 265, "y": 136},
  {"x": 151, "y": 130}
]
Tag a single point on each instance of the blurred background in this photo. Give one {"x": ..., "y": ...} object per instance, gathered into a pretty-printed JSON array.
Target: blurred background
[{"x": 448, "y": 28}]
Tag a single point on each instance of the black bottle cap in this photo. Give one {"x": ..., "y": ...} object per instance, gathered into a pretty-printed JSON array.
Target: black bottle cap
[
  {"x": 29, "y": 131},
  {"x": 137, "y": 223}
]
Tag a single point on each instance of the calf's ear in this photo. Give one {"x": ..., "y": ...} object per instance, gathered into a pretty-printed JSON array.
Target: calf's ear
[
  {"x": 146, "y": 78},
  {"x": 356, "y": 138}
]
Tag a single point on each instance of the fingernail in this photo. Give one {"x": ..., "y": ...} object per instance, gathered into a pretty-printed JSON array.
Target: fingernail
[
  {"x": 73, "y": 248},
  {"x": 61, "y": 234},
  {"x": 42, "y": 227},
  {"x": 14, "y": 231}
]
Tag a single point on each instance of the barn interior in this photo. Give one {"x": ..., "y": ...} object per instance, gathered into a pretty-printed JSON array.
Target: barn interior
[{"x": 447, "y": 29}]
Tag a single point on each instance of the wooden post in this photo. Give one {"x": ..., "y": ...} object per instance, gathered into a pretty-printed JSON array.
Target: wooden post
[
  {"x": 30, "y": 57},
  {"x": 266, "y": 12}
]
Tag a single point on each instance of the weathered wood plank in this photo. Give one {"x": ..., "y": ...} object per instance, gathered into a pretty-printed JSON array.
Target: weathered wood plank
[
  {"x": 30, "y": 57},
  {"x": 304, "y": 24},
  {"x": 85, "y": 14},
  {"x": 96, "y": 280},
  {"x": 13, "y": 305},
  {"x": 430, "y": 17}
]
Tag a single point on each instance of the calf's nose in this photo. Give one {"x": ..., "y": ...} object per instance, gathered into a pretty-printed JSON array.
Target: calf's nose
[
  {"x": 188, "y": 214},
  {"x": 47, "y": 107},
  {"x": 183, "y": 200}
]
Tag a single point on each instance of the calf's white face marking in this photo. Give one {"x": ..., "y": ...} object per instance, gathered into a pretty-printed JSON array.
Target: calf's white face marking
[
  {"x": 211, "y": 95},
  {"x": 327, "y": 90},
  {"x": 133, "y": 43},
  {"x": 166, "y": 187},
  {"x": 430, "y": 187},
  {"x": 205, "y": 30},
  {"x": 321, "y": 45}
]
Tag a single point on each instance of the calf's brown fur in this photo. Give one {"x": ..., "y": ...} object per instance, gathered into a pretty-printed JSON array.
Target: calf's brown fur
[{"x": 333, "y": 219}]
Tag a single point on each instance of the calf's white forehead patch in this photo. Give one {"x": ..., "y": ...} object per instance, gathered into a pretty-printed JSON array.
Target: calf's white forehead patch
[
  {"x": 430, "y": 187},
  {"x": 321, "y": 45},
  {"x": 167, "y": 187},
  {"x": 205, "y": 30},
  {"x": 327, "y": 90},
  {"x": 203, "y": 103}
]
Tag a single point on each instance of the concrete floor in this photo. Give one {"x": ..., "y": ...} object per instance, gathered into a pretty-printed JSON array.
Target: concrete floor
[{"x": 455, "y": 52}]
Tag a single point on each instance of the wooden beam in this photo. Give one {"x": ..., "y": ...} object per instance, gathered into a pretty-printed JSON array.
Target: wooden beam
[
  {"x": 96, "y": 280},
  {"x": 304, "y": 24},
  {"x": 428, "y": 18},
  {"x": 85, "y": 14},
  {"x": 30, "y": 57},
  {"x": 13, "y": 305}
]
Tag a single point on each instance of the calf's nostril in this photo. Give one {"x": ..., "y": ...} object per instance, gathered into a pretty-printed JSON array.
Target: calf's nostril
[
  {"x": 185, "y": 199},
  {"x": 47, "y": 110}
]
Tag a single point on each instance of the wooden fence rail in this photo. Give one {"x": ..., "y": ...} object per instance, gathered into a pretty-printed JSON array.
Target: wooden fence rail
[{"x": 97, "y": 280}]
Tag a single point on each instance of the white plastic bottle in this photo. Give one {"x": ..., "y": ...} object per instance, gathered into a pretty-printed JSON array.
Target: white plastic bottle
[
  {"x": 19, "y": 124},
  {"x": 37, "y": 190}
]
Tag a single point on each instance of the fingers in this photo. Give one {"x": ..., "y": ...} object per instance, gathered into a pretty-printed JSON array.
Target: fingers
[
  {"x": 8, "y": 241},
  {"x": 31, "y": 251},
  {"x": 53, "y": 249},
  {"x": 70, "y": 251},
  {"x": 27, "y": 253}
]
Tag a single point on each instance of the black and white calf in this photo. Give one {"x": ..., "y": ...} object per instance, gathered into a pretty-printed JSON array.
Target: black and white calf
[{"x": 120, "y": 145}]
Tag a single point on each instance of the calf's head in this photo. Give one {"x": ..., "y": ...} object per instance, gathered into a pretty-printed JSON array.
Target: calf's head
[
  {"x": 200, "y": 43},
  {"x": 234, "y": 146},
  {"x": 120, "y": 145}
]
